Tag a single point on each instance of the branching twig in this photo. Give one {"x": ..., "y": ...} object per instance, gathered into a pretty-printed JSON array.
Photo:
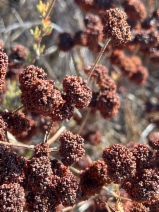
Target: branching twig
[
  {"x": 19, "y": 108},
  {"x": 55, "y": 137},
  {"x": 18, "y": 145},
  {"x": 50, "y": 8},
  {"x": 98, "y": 58}
]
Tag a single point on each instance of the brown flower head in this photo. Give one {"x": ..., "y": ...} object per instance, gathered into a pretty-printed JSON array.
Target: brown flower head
[
  {"x": 68, "y": 189},
  {"x": 66, "y": 42},
  {"x": 146, "y": 38},
  {"x": 11, "y": 166},
  {"x": 94, "y": 30},
  {"x": 120, "y": 161},
  {"x": 38, "y": 174},
  {"x": 99, "y": 74},
  {"x": 66, "y": 112},
  {"x": 12, "y": 197},
  {"x": 41, "y": 149},
  {"x": 138, "y": 207},
  {"x": 142, "y": 155},
  {"x": 29, "y": 75},
  {"x": 117, "y": 56},
  {"x": 93, "y": 178},
  {"x": 41, "y": 202},
  {"x": 153, "y": 205},
  {"x": 17, "y": 123},
  {"x": 153, "y": 140},
  {"x": 93, "y": 137},
  {"x": 108, "y": 104},
  {"x": 140, "y": 76},
  {"x": 77, "y": 91},
  {"x": 43, "y": 98},
  {"x": 144, "y": 186},
  {"x": 18, "y": 52},
  {"x": 71, "y": 148},
  {"x": 116, "y": 27},
  {"x": 27, "y": 135},
  {"x": 127, "y": 67},
  {"x": 135, "y": 9}
]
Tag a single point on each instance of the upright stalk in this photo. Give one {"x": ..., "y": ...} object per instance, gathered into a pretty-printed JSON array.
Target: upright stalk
[{"x": 98, "y": 58}]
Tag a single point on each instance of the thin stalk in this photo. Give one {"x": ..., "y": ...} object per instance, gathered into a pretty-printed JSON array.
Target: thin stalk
[
  {"x": 19, "y": 108},
  {"x": 84, "y": 121},
  {"x": 48, "y": 132},
  {"x": 18, "y": 145},
  {"x": 74, "y": 170},
  {"x": 115, "y": 195},
  {"x": 50, "y": 8},
  {"x": 55, "y": 137},
  {"x": 98, "y": 58}
]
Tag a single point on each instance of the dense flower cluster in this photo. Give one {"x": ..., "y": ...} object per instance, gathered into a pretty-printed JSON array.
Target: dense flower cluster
[
  {"x": 116, "y": 27},
  {"x": 77, "y": 91},
  {"x": 39, "y": 94},
  {"x": 71, "y": 148}
]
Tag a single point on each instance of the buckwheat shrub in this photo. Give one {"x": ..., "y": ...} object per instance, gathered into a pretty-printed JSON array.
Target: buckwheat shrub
[
  {"x": 12, "y": 197},
  {"x": 66, "y": 42},
  {"x": 117, "y": 56},
  {"x": 77, "y": 91},
  {"x": 153, "y": 205},
  {"x": 71, "y": 148},
  {"x": 120, "y": 162},
  {"x": 135, "y": 9},
  {"x": 93, "y": 178},
  {"x": 116, "y": 27}
]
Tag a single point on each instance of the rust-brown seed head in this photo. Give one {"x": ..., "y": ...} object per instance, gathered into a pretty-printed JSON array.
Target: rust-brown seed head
[{"x": 116, "y": 27}]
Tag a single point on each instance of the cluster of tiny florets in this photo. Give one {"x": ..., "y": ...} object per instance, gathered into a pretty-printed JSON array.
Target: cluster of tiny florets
[
  {"x": 93, "y": 178},
  {"x": 77, "y": 91},
  {"x": 71, "y": 148},
  {"x": 120, "y": 161},
  {"x": 116, "y": 27}
]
